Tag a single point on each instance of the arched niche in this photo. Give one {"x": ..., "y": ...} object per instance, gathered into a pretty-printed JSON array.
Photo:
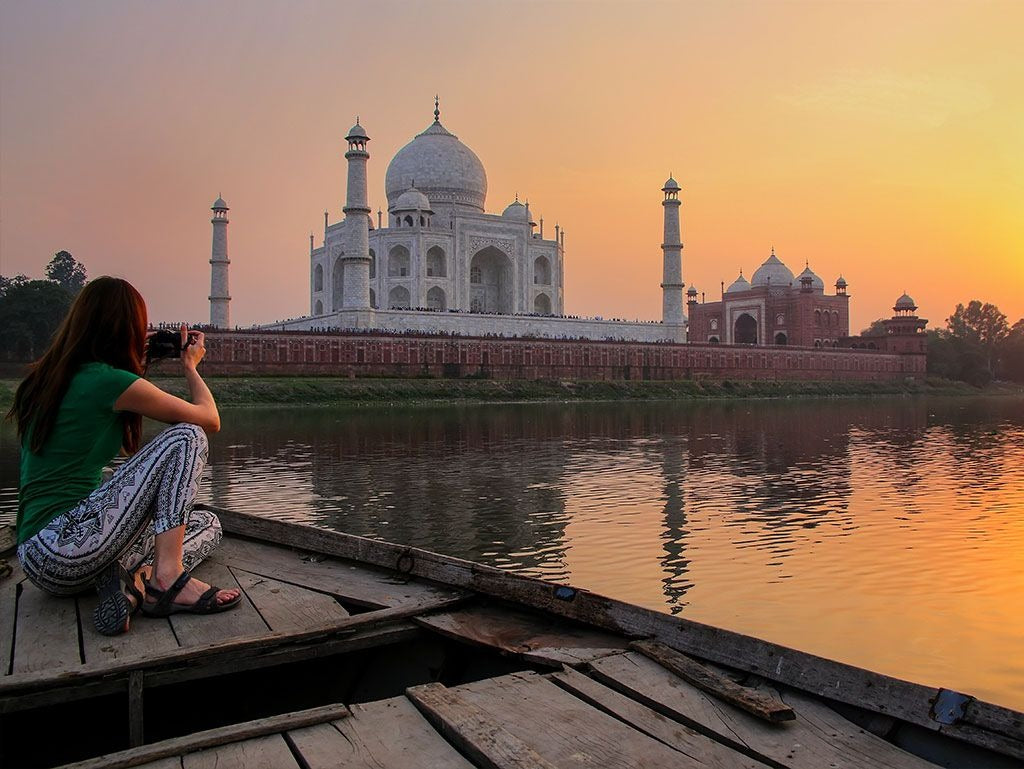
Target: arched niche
[
  {"x": 542, "y": 304},
  {"x": 745, "y": 330},
  {"x": 437, "y": 263},
  {"x": 318, "y": 309},
  {"x": 318, "y": 278},
  {"x": 373, "y": 264},
  {"x": 436, "y": 299},
  {"x": 398, "y": 298},
  {"x": 490, "y": 286},
  {"x": 337, "y": 283},
  {"x": 373, "y": 299},
  {"x": 398, "y": 262},
  {"x": 780, "y": 338},
  {"x": 542, "y": 271}
]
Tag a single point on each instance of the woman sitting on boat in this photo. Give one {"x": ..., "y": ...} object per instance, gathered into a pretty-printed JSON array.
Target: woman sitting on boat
[{"x": 134, "y": 537}]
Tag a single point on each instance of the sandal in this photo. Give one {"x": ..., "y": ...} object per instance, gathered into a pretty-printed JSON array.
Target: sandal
[
  {"x": 165, "y": 606},
  {"x": 110, "y": 617}
]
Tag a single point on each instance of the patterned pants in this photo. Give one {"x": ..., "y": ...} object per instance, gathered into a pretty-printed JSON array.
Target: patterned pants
[{"x": 149, "y": 494}]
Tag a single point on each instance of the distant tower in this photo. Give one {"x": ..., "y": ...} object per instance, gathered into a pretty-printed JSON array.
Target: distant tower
[
  {"x": 355, "y": 261},
  {"x": 672, "y": 248},
  {"x": 220, "y": 311}
]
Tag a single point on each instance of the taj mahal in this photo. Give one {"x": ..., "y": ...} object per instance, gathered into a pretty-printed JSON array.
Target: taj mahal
[{"x": 439, "y": 263}]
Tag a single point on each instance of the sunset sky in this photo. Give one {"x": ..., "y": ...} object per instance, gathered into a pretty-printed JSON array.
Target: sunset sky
[{"x": 883, "y": 141}]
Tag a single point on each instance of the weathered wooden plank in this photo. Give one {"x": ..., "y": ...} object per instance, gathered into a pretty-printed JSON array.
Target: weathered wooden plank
[
  {"x": 180, "y": 746},
  {"x": 163, "y": 763},
  {"x": 243, "y": 620},
  {"x": 476, "y": 733},
  {"x": 146, "y": 636},
  {"x": 46, "y": 634},
  {"x": 754, "y": 701},
  {"x": 799, "y": 744},
  {"x": 538, "y": 637},
  {"x": 18, "y": 692},
  {"x": 388, "y": 734},
  {"x": 270, "y": 752},
  {"x": 700, "y": 748},
  {"x": 286, "y": 607},
  {"x": 563, "y": 729},
  {"x": 356, "y": 583},
  {"x": 8, "y": 614},
  {"x": 983, "y": 723},
  {"x": 8, "y": 539}
]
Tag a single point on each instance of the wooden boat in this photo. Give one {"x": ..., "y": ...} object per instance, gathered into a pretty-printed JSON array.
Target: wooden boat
[{"x": 352, "y": 652}]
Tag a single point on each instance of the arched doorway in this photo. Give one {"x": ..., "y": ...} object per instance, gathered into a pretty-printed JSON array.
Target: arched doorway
[
  {"x": 373, "y": 299},
  {"x": 337, "y": 283},
  {"x": 436, "y": 299},
  {"x": 541, "y": 271},
  {"x": 373, "y": 264},
  {"x": 490, "y": 284},
  {"x": 319, "y": 308},
  {"x": 745, "y": 330},
  {"x": 398, "y": 299},
  {"x": 542, "y": 304},
  {"x": 398, "y": 262},
  {"x": 318, "y": 278},
  {"x": 437, "y": 265},
  {"x": 780, "y": 338}
]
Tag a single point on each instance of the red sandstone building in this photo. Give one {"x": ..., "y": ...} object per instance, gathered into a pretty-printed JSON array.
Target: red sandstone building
[{"x": 773, "y": 309}]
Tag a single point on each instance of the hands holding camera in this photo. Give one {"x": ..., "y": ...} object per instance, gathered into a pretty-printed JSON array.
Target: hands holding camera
[{"x": 193, "y": 347}]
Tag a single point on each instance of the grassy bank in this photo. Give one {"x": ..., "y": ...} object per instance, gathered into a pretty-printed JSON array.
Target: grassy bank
[{"x": 251, "y": 391}]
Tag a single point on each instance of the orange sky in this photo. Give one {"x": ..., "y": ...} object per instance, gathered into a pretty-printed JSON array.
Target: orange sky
[{"x": 881, "y": 140}]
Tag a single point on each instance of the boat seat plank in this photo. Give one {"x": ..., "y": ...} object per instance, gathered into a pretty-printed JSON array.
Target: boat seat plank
[
  {"x": 164, "y": 763},
  {"x": 533, "y": 636},
  {"x": 8, "y": 612},
  {"x": 563, "y": 730},
  {"x": 754, "y": 701},
  {"x": 697, "y": 746},
  {"x": 146, "y": 636},
  {"x": 269, "y": 752},
  {"x": 286, "y": 607},
  {"x": 46, "y": 633},
  {"x": 243, "y": 620},
  {"x": 387, "y": 734},
  {"x": 803, "y": 743},
  {"x": 355, "y": 583}
]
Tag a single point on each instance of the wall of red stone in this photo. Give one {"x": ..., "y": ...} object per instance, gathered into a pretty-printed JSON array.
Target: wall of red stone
[{"x": 244, "y": 353}]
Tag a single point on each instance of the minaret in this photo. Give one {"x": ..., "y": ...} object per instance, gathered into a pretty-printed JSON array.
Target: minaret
[
  {"x": 220, "y": 311},
  {"x": 672, "y": 248},
  {"x": 355, "y": 289}
]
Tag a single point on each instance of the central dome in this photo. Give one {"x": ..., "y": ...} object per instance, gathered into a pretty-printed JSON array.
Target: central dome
[
  {"x": 772, "y": 273},
  {"x": 441, "y": 167}
]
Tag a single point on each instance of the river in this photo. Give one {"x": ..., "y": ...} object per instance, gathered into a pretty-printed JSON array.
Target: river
[{"x": 887, "y": 533}]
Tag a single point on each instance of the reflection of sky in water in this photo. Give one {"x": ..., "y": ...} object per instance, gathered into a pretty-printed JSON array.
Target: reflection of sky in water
[{"x": 887, "y": 533}]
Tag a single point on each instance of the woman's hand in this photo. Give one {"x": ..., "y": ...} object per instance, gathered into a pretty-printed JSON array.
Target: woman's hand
[{"x": 193, "y": 347}]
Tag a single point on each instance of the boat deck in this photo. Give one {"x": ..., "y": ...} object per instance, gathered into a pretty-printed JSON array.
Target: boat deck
[{"x": 569, "y": 694}]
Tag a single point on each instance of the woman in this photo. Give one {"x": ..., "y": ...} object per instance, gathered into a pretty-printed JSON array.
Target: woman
[{"x": 81, "y": 404}]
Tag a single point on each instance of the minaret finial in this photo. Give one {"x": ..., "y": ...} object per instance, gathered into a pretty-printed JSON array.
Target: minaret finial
[
  {"x": 437, "y": 109},
  {"x": 773, "y": 250},
  {"x": 517, "y": 197}
]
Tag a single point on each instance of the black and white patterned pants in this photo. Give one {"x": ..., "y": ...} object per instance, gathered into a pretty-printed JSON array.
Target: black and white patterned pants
[{"x": 150, "y": 493}]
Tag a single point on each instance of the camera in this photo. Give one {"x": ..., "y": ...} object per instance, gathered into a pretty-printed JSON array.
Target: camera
[{"x": 165, "y": 344}]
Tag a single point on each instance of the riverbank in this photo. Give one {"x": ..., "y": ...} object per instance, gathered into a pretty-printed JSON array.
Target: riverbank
[{"x": 324, "y": 391}]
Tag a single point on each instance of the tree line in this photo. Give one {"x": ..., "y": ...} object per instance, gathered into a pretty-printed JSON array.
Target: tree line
[
  {"x": 31, "y": 310},
  {"x": 977, "y": 345}
]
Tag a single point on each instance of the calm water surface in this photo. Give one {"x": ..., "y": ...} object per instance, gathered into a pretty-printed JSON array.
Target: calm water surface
[{"x": 885, "y": 533}]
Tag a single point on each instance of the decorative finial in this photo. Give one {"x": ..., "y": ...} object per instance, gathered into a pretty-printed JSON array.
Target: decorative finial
[
  {"x": 357, "y": 119},
  {"x": 517, "y": 197},
  {"x": 437, "y": 109},
  {"x": 773, "y": 250}
]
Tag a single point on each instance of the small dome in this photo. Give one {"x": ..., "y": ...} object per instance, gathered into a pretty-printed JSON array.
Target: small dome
[
  {"x": 772, "y": 273},
  {"x": 905, "y": 303},
  {"x": 357, "y": 132},
  {"x": 740, "y": 284},
  {"x": 841, "y": 282},
  {"x": 219, "y": 204},
  {"x": 412, "y": 200},
  {"x": 816, "y": 283},
  {"x": 516, "y": 210},
  {"x": 671, "y": 184},
  {"x": 691, "y": 291}
]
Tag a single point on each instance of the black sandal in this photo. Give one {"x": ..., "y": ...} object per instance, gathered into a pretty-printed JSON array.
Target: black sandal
[
  {"x": 165, "y": 606},
  {"x": 110, "y": 617}
]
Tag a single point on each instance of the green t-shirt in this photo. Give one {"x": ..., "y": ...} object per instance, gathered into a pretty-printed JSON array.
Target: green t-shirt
[{"x": 88, "y": 433}]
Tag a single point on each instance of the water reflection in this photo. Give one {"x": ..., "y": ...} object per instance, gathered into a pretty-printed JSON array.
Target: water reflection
[{"x": 886, "y": 533}]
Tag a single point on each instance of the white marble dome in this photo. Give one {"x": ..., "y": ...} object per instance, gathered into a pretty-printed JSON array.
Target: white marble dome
[
  {"x": 772, "y": 273},
  {"x": 817, "y": 284},
  {"x": 740, "y": 284},
  {"x": 516, "y": 210},
  {"x": 441, "y": 167},
  {"x": 412, "y": 200},
  {"x": 905, "y": 302},
  {"x": 219, "y": 204}
]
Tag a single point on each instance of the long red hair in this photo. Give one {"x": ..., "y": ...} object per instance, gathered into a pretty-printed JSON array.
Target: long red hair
[{"x": 106, "y": 324}]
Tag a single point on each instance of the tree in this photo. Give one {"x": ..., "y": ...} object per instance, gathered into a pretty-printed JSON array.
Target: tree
[
  {"x": 981, "y": 323},
  {"x": 877, "y": 328},
  {"x": 30, "y": 311},
  {"x": 1011, "y": 353},
  {"x": 67, "y": 272}
]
